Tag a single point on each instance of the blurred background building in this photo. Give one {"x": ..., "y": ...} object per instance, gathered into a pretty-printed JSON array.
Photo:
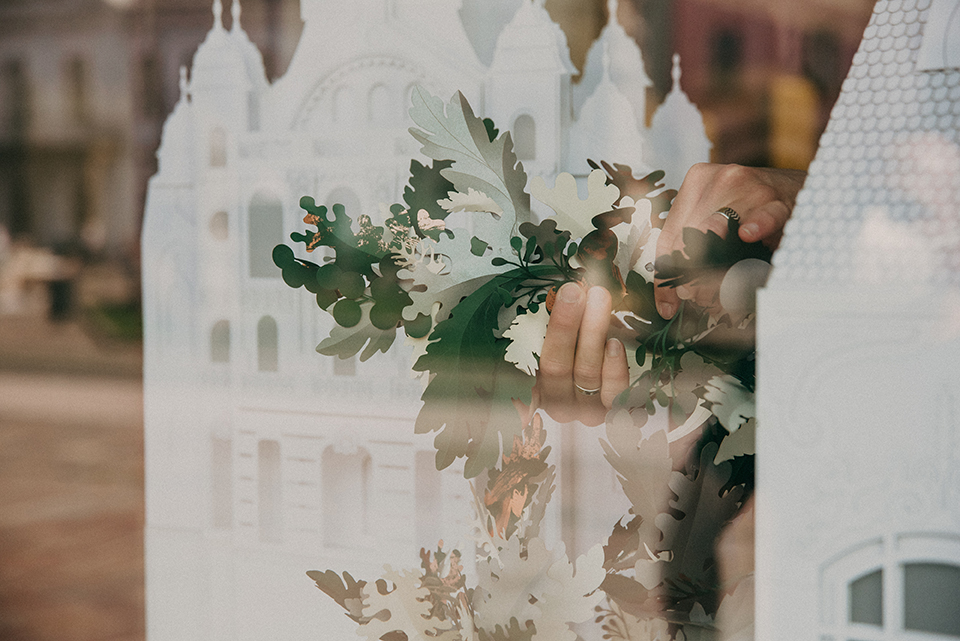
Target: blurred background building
[{"x": 86, "y": 84}]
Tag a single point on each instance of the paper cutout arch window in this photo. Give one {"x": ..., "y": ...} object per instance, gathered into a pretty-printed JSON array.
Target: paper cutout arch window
[
  {"x": 269, "y": 490},
  {"x": 379, "y": 109},
  {"x": 940, "y": 48},
  {"x": 220, "y": 225},
  {"x": 342, "y": 105},
  {"x": 268, "y": 356},
  {"x": 866, "y": 599},
  {"x": 525, "y": 137},
  {"x": 220, "y": 342},
  {"x": 892, "y": 588},
  {"x": 265, "y": 233},
  {"x": 346, "y": 496},
  {"x": 218, "y": 147}
]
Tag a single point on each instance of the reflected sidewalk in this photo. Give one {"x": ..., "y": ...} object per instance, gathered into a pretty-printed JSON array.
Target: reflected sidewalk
[{"x": 71, "y": 485}]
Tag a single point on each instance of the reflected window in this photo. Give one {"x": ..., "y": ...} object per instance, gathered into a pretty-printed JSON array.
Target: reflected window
[
  {"x": 220, "y": 225},
  {"x": 218, "y": 147},
  {"x": 221, "y": 481},
  {"x": 525, "y": 137},
  {"x": 151, "y": 86},
  {"x": 220, "y": 342},
  {"x": 931, "y": 598},
  {"x": 76, "y": 81},
  {"x": 265, "y": 233},
  {"x": 14, "y": 103},
  {"x": 346, "y": 496},
  {"x": 378, "y": 104},
  {"x": 267, "y": 345},
  {"x": 821, "y": 61},
  {"x": 269, "y": 490},
  {"x": 726, "y": 52}
]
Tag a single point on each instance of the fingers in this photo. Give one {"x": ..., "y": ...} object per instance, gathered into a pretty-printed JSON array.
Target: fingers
[
  {"x": 560, "y": 343},
  {"x": 764, "y": 223},
  {"x": 762, "y": 198},
  {"x": 594, "y": 326},
  {"x": 576, "y": 352},
  {"x": 616, "y": 375}
]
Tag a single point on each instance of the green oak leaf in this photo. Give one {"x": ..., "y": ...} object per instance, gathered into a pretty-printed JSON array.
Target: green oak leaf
[
  {"x": 345, "y": 342},
  {"x": 426, "y": 187},
  {"x": 469, "y": 398},
  {"x": 454, "y": 133},
  {"x": 353, "y": 254}
]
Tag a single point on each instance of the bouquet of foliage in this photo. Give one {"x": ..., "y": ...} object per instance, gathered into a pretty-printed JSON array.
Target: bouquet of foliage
[{"x": 476, "y": 298}]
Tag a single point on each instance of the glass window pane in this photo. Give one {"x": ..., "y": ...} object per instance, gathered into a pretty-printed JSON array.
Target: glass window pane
[
  {"x": 931, "y": 596},
  {"x": 866, "y": 599}
]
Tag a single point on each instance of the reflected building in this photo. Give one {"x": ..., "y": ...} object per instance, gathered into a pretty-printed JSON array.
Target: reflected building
[
  {"x": 85, "y": 86},
  {"x": 765, "y": 74}
]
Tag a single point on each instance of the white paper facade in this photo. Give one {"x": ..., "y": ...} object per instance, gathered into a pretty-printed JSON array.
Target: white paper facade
[
  {"x": 263, "y": 458},
  {"x": 858, "y": 450}
]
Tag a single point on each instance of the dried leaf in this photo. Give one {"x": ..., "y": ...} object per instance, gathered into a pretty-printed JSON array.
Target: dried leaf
[
  {"x": 405, "y": 608},
  {"x": 348, "y": 593}
]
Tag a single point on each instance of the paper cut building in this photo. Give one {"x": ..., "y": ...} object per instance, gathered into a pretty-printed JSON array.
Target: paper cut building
[
  {"x": 264, "y": 459},
  {"x": 858, "y": 449}
]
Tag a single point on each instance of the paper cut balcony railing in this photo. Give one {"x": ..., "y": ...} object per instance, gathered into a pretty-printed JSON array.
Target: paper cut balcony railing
[{"x": 462, "y": 268}]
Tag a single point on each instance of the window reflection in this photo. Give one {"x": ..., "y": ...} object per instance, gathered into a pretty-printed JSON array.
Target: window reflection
[{"x": 346, "y": 487}]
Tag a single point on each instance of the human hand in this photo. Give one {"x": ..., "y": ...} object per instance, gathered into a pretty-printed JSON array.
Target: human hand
[
  {"x": 762, "y": 198},
  {"x": 579, "y": 355}
]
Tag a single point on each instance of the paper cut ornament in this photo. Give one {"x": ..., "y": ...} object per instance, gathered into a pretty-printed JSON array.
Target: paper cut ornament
[
  {"x": 264, "y": 459},
  {"x": 858, "y": 503}
]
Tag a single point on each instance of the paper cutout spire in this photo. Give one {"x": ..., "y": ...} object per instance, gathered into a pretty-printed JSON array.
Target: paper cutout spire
[
  {"x": 677, "y": 133},
  {"x": 218, "y": 15},
  {"x": 626, "y": 70},
  {"x": 235, "y": 14}
]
